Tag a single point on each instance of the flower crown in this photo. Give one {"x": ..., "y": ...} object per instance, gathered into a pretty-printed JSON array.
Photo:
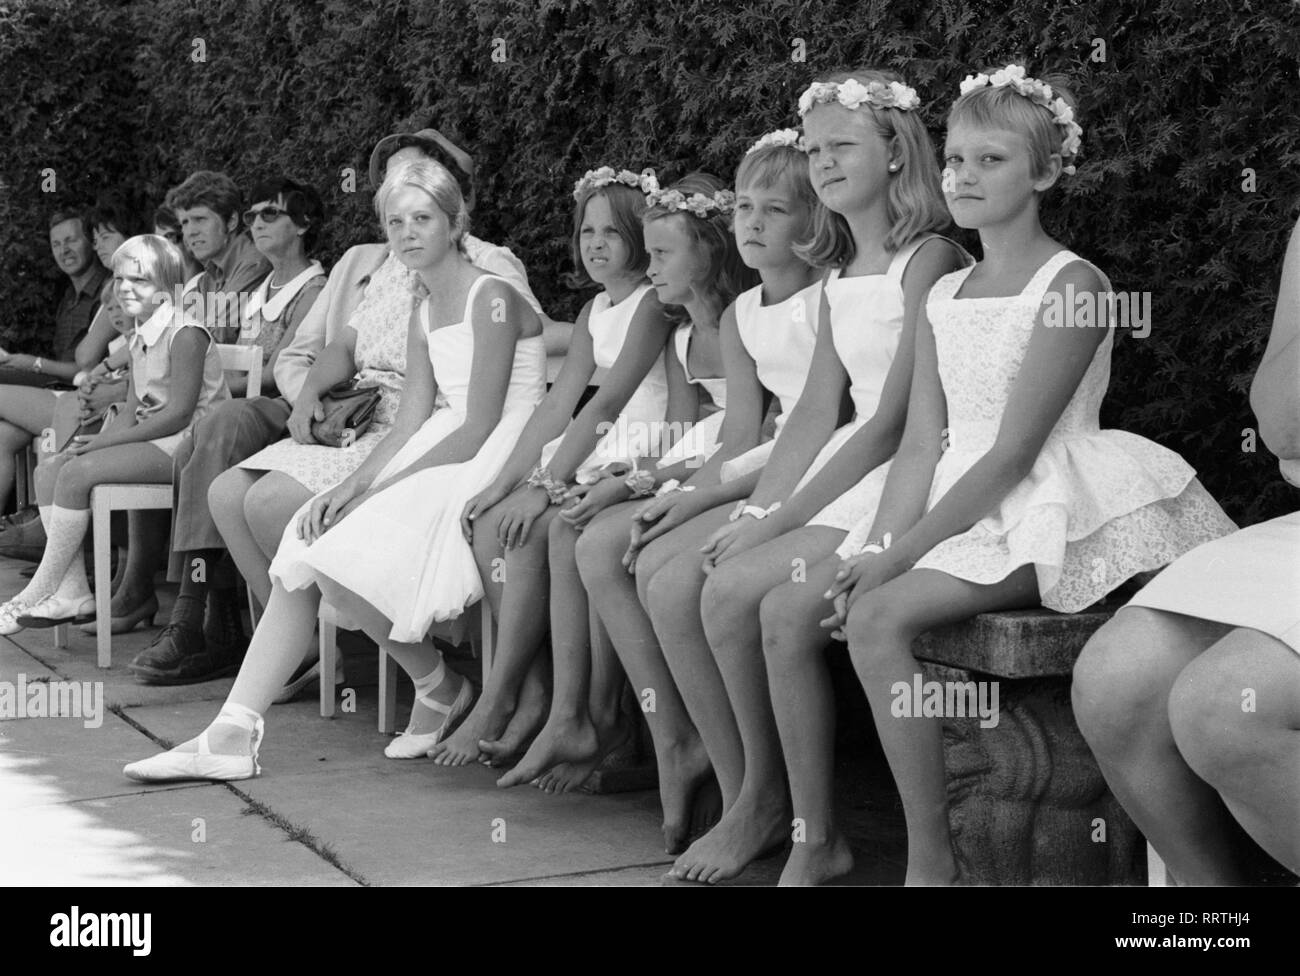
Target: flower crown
[
  {"x": 789, "y": 138},
  {"x": 593, "y": 179},
  {"x": 724, "y": 201},
  {"x": 1040, "y": 93},
  {"x": 853, "y": 94}
]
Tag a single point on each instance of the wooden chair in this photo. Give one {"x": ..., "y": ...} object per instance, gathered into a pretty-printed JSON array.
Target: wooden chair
[{"x": 106, "y": 499}]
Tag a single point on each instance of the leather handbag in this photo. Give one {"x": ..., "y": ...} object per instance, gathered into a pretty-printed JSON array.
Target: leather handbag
[{"x": 349, "y": 410}]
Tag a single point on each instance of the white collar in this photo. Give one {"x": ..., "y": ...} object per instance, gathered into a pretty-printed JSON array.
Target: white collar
[
  {"x": 271, "y": 308},
  {"x": 152, "y": 330},
  {"x": 192, "y": 284}
]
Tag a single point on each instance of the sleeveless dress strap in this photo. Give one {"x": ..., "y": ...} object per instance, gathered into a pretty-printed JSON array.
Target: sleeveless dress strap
[
  {"x": 898, "y": 264},
  {"x": 681, "y": 342}
]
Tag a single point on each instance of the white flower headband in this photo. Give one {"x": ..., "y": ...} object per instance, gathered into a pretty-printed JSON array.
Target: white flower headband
[
  {"x": 789, "y": 138},
  {"x": 853, "y": 94},
  {"x": 593, "y": 179},
  {"x": 724, "y": 201},
  {"x": 1040, "y": 93}
]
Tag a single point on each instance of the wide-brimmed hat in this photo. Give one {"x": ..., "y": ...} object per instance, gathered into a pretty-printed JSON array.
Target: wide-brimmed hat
[{"x": 438, "y": 146}]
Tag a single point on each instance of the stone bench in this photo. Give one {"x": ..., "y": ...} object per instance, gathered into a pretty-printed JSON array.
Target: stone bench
[{"x": 1027, "y": 803}]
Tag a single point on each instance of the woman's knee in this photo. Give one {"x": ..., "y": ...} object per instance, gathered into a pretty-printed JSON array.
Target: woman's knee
[
  {"x": 599, "y": 550},
  {"x": 268, "y": 508},
  {"x": 1122, "y": 679},
  {"x": 672, "y": 585},
  {"x": 71, "y": 480},
  {"x": 730, "y": 595},
  {"x": 227, "y": 493},
  {"x": 1220, "y": 709},
  {"x": 788, "y": 615},
  {"x": 873, "y": 629}
]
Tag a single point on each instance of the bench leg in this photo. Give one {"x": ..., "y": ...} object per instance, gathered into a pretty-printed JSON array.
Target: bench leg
[
  {"x": 103, "y": 583},
  {"x": 328, "y": 664}
]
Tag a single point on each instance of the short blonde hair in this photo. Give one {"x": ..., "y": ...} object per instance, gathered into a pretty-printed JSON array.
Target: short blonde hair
[
  {"x": 156, "y": 259},
  {"x": 915, "y": 203},
  {"x": 434, "y": 179},
  {"x": 1005, "y": 108}
]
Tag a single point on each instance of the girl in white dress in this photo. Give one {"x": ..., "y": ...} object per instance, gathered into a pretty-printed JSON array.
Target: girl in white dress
[
  {"x": 1004, "y": 492},
  {"x": 1190, "y": 694},
  {"x": 511, "y": 523},
  {"x": 761, "y": 347},
  {"x": 385, "y": 545},
  {"x": 871, "y": 163}
]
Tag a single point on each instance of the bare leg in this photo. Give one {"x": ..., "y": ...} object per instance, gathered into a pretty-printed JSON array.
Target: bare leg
[
  {"x": 25, "y": 411},
  {"x": 569, "y": 734},
  {"x": 269, "y": 506},
  {"x": 803, "y": 703},
  {"x": 604, "y": 707},
  {"x": 731, "y": 600},
  {"x": 1121, "y": 692},
  {"x": 880, "y": 629},
  {"x": 669, "y": 578},
  {"x": 684, "y": 770},
  {"x": 1235, "y": 715},
  {"x": 521, "y": 627}
]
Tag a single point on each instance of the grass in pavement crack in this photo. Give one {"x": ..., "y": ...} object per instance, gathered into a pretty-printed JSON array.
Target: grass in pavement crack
[{"x": 301, "y": 835}]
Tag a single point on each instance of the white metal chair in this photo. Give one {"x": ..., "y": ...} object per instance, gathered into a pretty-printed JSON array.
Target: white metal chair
[{"x": 106, "y": 499}]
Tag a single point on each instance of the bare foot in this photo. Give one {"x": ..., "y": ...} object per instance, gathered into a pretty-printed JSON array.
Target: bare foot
[
  {"x": 816, "y": 863},
  {"x": 706, "y": 811},
  {"x": 683, "y": 771},
  {"x": 568, "y": 776},
  {"x": 750, "y": 827},
  {"x": 523, "y": 725},
  {"x": 485, "y": 721},
  {"x": 563, "y": 739}
]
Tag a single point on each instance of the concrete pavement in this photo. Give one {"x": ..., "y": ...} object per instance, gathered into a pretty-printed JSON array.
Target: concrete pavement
[{"x": 329, "y": 809}]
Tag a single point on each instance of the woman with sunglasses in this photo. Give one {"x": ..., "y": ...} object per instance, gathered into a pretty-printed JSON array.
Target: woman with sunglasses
[
  {"x": 284, "y": 224},
  {"x": 204, "y": 638}
]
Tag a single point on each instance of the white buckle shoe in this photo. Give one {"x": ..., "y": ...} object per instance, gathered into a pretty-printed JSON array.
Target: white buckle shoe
[
  {"x": 172, "y": 765},
  {"x": 9, "y": 614},
  {"x": 415, "y": 745}
]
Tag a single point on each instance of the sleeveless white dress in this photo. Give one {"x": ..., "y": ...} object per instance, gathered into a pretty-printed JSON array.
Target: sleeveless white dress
[
  {"x": 702, "y": 440},
  {"x": 780, "y": 339},
  {"x": 635, "y": 431},
  {"x": 866, "y": 325},
  {"x": 1249, "y": 579},
  {"x": 1098, "y": 505},
  {"x": 402, "y": 551}
]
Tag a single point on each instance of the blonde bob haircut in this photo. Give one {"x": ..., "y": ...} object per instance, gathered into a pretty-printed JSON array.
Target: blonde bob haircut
[
  {"x": 915, "y": 203},
  {"x": 782, "y": 167},
  {"x": 435, "y": 180},
  {"x": 153, "y": 258},
  {"x": 1005, "y": 108}
]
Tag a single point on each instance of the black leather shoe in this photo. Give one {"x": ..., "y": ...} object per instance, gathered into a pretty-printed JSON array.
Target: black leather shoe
[{"x": 180, "y": 656}]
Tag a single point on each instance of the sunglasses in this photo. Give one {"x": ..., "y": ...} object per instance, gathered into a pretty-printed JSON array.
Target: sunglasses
[{"x": 268, "y": 214}]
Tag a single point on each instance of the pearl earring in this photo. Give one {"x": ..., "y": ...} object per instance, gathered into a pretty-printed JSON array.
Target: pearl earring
[{"x": 893, "y": 167}]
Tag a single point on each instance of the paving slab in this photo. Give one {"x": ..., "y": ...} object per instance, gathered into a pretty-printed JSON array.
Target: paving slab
[{"x": 199, "y": 835}]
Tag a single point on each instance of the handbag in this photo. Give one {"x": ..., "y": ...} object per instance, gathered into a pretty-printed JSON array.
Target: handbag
[{"x": 349, "y": 410}]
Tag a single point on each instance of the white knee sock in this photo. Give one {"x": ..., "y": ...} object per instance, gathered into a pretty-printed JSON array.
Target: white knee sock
[
  {"x": 74, "y": 585},
  {"x": 64, "y": 535}
]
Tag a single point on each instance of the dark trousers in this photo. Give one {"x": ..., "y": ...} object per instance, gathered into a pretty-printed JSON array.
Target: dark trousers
[{"x": 232, "y": 432}]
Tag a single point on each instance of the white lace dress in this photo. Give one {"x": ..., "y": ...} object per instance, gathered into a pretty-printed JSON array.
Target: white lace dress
[
  {"x": 633, "y": 433},
  {"x": 1098, "y": 505},
  {"x": 780, "y": 339},
  {"x": 402, "y": 551},
  {"x": 380, "y": 320}
]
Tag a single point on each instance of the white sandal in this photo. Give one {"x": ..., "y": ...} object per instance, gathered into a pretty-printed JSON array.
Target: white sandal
[
  {"x": 204, "y": 764},
  {"x": 414, "y": 745}
]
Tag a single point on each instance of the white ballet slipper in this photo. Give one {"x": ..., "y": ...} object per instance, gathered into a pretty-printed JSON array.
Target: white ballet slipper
[
  {"x": 204, "y": 764},
  {"x": 413, "y": 745}
]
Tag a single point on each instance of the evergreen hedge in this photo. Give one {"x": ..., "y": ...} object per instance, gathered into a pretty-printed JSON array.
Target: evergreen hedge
[{"x": 1187, "y": 186}]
